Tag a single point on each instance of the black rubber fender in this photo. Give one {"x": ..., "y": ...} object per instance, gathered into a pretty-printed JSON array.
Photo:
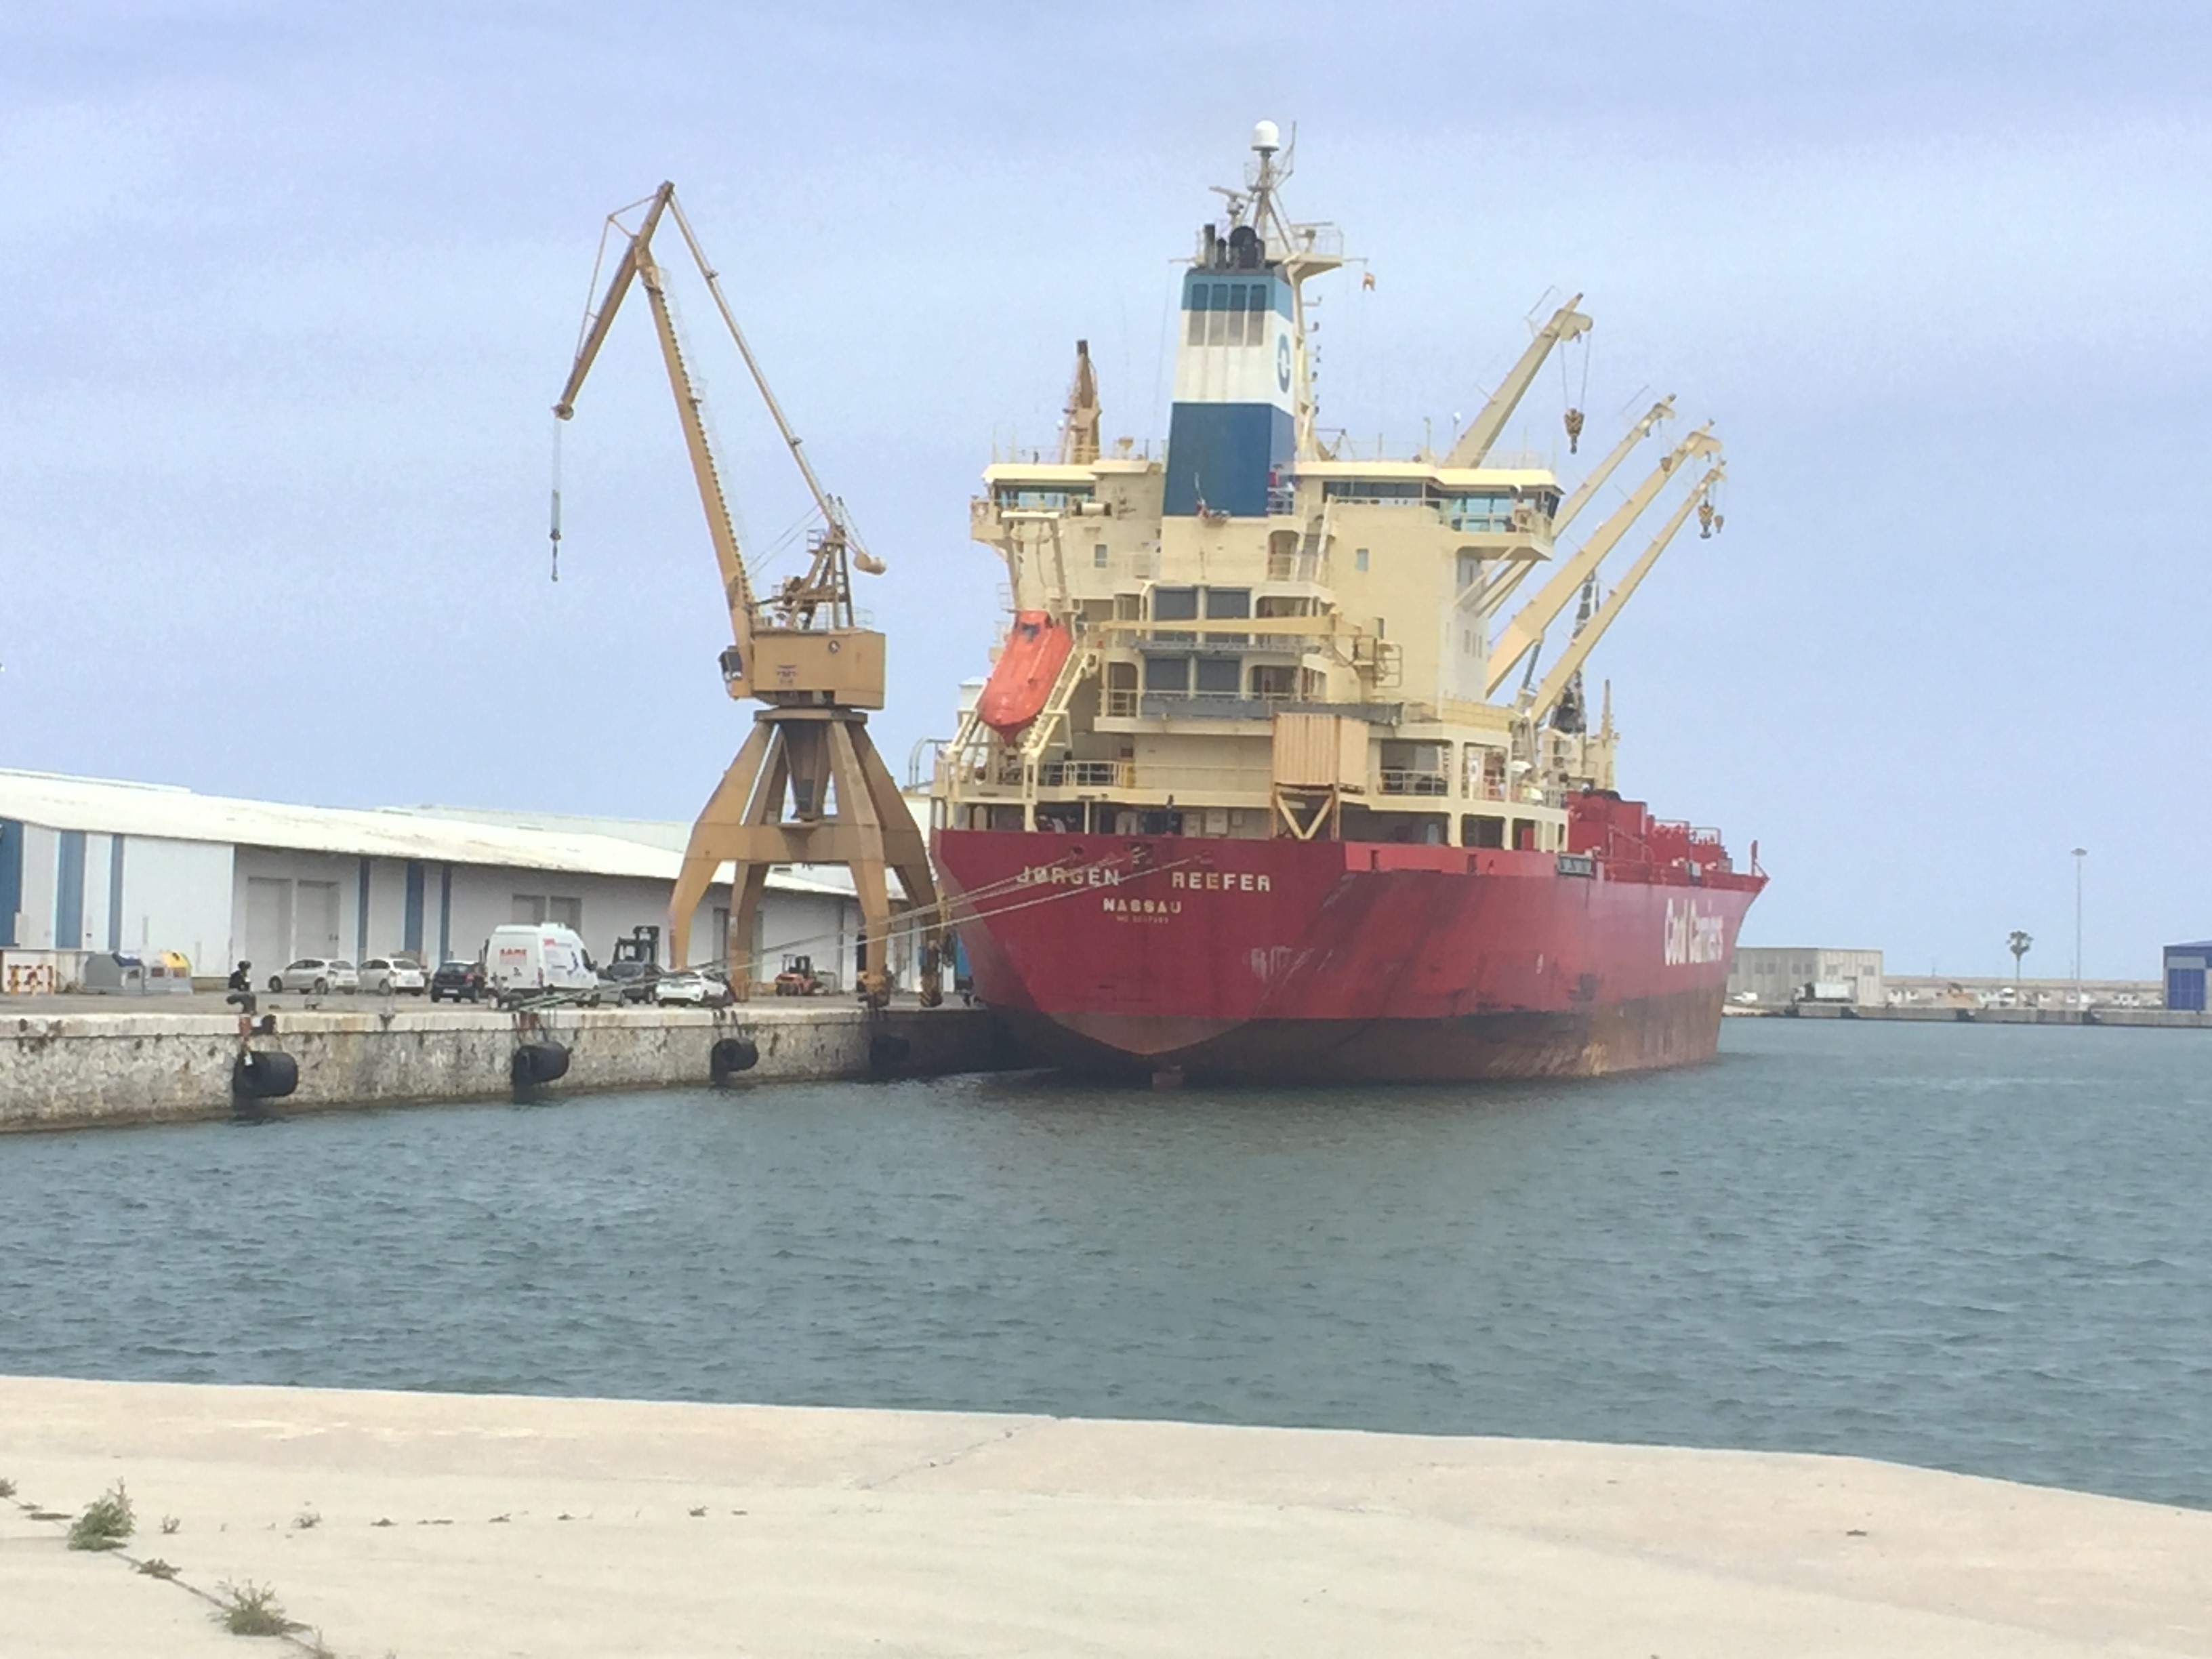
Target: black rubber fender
[
  {"x": 539, "y": 1062},
  {"x": 265, "y": 1074},
  {"x": 887, "y": 1054},
  {"x": 730, "y": 1055}
]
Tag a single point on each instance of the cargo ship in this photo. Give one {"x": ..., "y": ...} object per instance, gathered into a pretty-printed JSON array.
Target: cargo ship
[{"x": 1272, "y": 776}]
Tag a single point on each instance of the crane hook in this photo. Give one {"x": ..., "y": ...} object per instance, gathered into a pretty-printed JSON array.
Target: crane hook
[
  {"x": 1705, "y": 516},
  {"x": 1574, "y": 430}
]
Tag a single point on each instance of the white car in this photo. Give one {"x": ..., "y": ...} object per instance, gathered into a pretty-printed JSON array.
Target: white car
[
  {"x": 394, "y": 975},
  {"x": 321, "y": 974},
  {"x": 707, "y": 990}
]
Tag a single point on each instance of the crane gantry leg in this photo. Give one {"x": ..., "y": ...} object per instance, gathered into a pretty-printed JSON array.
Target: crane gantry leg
[{"x": 845, "y": 809}]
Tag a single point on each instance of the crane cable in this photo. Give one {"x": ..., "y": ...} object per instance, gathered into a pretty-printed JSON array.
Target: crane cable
[
  {"x": 556, "y": 499},
  {"x": 1575, "y": 404}
]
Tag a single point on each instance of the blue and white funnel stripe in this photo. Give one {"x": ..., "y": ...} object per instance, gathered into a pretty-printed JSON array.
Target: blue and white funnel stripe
[{"x": 1231, "y": 431}]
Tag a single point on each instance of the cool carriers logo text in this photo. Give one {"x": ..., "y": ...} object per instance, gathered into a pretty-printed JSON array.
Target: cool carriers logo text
[{"x": 1693, "y": 936}]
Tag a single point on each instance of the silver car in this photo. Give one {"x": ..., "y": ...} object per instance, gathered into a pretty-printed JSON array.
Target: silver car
[
  {"x": 698, "y": 990},
  {"x": 395, "y": 975},
  {"x": 321, "y": 974}
]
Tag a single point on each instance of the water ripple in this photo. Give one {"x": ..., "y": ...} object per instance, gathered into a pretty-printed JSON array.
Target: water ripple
[{"x": 1977, "y": 1249}]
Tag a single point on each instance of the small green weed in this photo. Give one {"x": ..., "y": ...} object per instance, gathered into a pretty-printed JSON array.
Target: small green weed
[
  {"x": 252, "y": 1609},
  {"x": 169, "y": 1524},
  {"x": 6, "y": 1487},
  {"x": 157, "y": 1568},
  {"x": 105, "y": 1523},
  {"x": 305, "y": 1521}
]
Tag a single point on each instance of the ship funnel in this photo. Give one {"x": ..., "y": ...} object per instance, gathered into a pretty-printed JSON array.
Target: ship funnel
[{"x": 1266, "y": 139}]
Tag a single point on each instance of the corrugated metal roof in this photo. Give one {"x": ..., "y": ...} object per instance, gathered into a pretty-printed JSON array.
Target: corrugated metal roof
[{"x": 599, "y": 847}]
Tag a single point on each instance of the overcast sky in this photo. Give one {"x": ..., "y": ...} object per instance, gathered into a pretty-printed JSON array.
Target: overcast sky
[{"x": 290, "y": 288}]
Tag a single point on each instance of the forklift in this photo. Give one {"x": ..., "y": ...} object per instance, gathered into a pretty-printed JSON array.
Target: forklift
[
  {"x": 799, "y": 978},
  {"x": 634, "y": 968}
]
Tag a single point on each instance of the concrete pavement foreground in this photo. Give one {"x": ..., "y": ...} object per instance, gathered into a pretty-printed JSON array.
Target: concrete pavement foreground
[{"x": 436, "y": 1526}]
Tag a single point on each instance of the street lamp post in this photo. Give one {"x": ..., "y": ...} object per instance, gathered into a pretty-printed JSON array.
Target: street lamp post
[{"x": 2080, "y": 853}]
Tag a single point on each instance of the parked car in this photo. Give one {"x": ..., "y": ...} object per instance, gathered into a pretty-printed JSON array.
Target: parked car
[
  {"x": 524, "y": 959},
  {"x": 630, "y": 979},
  {"x": 394, "y": 974},
  {"x": 697, "y": 990},
  {"x": 464, "y": 981},
  {"x": 321, "y": 974}
]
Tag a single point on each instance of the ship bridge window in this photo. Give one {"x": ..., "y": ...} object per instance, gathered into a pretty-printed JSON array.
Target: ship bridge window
[
  {"x": 1382, "y": 492},
  {"x": 1039, "y": 498},
  {"x": 1483, "y": 512}
]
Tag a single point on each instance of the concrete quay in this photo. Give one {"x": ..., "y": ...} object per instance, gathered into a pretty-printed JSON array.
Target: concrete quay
[
  {"x": 140, "y": 1065},
  {"x": 448, "y": 1527},
  {"x": 1922, "y": 1014}
]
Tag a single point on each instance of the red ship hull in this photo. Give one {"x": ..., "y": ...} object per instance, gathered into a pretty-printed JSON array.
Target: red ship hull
[{"x": 1342, "y": 961}]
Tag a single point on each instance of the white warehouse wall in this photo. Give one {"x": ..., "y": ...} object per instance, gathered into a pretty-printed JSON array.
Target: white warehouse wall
[
  {"x": 176, "y": 896},
  {"x": 99, "y": 869},
  {"x": 41, "y": 856}
]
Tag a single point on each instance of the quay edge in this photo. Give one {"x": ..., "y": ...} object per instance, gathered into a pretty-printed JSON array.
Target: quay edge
[
  {"x": 80, "y": 1069},
  {"x": 452, "y": 1526}
]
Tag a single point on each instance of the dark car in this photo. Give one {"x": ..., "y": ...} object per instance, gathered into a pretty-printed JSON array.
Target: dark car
[
  {"x": 630, "y": 979},
  {"x": 464, "y": 981}
]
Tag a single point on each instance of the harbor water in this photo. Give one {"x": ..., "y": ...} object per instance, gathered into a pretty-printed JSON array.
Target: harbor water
[{"x": 1971, "y": 1249}]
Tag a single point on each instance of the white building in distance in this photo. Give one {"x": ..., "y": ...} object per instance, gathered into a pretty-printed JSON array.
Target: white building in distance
[
  {"x": 1778, "y": 975},
  {"x": 89, "y": 865}
]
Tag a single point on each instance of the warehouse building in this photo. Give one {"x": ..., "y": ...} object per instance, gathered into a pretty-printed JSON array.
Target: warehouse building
[
  {"x": 91, "y": 865},
  {"x": 1775, "y": 976},
  {"x": 2185, "y": 975}
]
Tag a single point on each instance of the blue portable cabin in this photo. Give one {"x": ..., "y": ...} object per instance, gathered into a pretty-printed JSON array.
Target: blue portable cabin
[{"x": 2185, "y": 975}]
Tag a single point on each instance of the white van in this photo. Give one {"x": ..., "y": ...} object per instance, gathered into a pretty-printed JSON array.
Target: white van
[{"x": 526, "y": 957}]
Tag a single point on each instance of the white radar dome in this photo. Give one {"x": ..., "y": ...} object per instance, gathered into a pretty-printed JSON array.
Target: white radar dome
[{"x": 1266, "y": 138}]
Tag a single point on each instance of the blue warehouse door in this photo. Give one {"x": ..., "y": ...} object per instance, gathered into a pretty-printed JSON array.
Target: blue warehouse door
[
  {"x": 2184, "y": 988},
  {"x": 11, "y": 878}
]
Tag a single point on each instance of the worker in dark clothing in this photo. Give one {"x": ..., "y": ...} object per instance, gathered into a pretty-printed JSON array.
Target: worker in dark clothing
[
  {"x": 241, "y": 977},
  {"x": 241, "y": 990}
]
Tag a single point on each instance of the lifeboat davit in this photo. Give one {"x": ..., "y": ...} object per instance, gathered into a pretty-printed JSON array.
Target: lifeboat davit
[{"x": 1036, "y": 650}]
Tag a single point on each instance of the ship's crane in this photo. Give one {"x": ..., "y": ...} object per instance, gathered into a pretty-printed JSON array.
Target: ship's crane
[
  {"x": 1526, "y": 630},
  {"x": 1482, "y": 432},
  {"x": 1546, "y": 696},
  {"x": 1662, "y": 410},
  {"x": 807, "y": 785},
  {"x": 1486, "y": 597}
]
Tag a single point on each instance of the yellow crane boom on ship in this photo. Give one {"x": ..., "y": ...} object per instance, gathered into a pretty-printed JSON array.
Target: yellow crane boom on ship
[
  {"x": 1525, "y": 631},
  {"x": 807, "y": 785}
]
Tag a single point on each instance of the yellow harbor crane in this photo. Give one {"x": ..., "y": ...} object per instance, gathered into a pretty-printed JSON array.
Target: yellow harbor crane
[{"x": 807, "y": 787}]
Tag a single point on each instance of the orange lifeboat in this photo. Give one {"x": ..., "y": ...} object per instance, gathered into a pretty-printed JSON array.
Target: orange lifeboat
[{"x": 1036, "y": 649}]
